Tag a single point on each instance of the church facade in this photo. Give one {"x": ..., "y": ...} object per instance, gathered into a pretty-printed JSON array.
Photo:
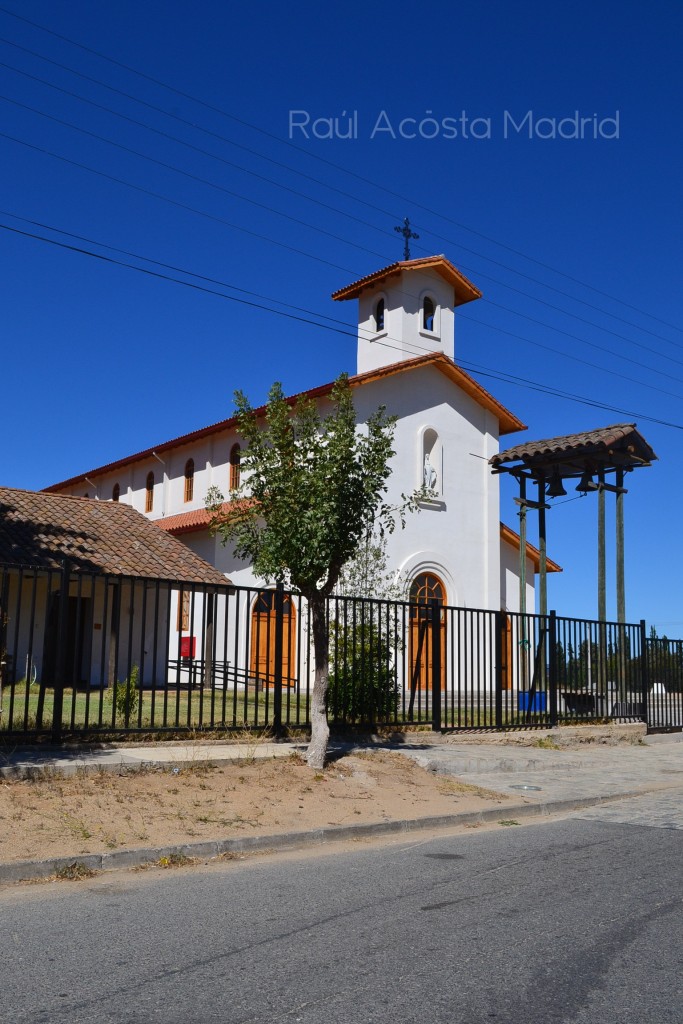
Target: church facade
[{"x": 447, "y": 429}]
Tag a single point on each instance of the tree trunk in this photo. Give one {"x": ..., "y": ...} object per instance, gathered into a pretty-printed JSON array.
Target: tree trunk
[{"x": 320, "y": 730}]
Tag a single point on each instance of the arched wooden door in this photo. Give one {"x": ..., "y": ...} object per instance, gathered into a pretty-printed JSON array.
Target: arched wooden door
[
  {"x": 425, "y": 588},
  {"x": 263, "y": 617}
]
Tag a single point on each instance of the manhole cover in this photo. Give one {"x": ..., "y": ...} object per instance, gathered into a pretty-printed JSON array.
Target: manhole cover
[{"x": 527, "y": 788}]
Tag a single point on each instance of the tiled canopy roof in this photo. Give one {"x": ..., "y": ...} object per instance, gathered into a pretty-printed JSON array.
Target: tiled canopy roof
[
  {"x": 620, "y": 445},
  {"x": 41, "y": 530},
  {"x": 464, "y": 290}
]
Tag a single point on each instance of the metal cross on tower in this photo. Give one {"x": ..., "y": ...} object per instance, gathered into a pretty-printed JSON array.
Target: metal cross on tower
[{"x": 407, "y": 235}]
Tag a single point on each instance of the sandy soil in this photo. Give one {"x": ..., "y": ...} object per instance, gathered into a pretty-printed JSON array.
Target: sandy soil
[{"x": 90, "y": 813}]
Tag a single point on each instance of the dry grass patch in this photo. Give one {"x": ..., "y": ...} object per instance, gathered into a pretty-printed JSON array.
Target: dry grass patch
[{"x": 53, "y": 816}]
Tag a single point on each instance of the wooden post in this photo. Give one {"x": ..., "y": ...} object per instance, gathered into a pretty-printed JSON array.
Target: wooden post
[
  {"x": 543, "y": 561},
  {"x": 523, "y": 680},
  {"x": 622, "y": 653},
  {"x": 522, "y": 550},
  {"x": 552, "y": 681},
  {"x": 602, "y": 593},
  {"x": 621, "y": 593},
  {"x": 602, "y": 587}
]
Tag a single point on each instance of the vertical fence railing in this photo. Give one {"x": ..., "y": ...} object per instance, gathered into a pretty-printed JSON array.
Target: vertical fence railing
[
  {"x": 664, "y": 664},
  {"x": 82, "y": 654}
]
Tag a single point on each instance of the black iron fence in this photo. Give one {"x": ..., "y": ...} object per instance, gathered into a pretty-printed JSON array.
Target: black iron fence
[{"x": 88, "y": 654}]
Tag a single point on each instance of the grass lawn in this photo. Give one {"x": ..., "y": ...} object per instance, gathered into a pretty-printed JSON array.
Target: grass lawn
[{"x": 150, "y": 709}]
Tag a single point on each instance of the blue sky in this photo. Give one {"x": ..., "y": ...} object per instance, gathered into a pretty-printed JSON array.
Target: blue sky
[{"x": 576, "y": 243}]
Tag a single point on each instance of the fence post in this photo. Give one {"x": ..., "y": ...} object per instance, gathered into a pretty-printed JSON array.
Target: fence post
[
  {"x": 644, "y": 670},
  {"x": 499, "y": 626},
  {"x": 552, "y": 668},
  {"x": 436, "y": 664},
  {"x": 62, "y": 643},
  {"x": 279, "y": 650}
]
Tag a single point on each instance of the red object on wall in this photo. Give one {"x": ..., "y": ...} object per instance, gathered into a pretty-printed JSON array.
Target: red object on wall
[{"x": 188, "y": 646}]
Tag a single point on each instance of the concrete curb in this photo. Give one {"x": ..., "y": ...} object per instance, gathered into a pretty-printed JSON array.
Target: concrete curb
[{"x": 29, "y": 870}]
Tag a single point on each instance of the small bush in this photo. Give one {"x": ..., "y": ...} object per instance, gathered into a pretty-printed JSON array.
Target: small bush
[
  {"x": 126, "y": 694},
  {"x": 362, "y": 681}
]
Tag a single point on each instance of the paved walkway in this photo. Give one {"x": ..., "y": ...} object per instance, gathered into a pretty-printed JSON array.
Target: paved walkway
[{"x": 639, "y": 783}]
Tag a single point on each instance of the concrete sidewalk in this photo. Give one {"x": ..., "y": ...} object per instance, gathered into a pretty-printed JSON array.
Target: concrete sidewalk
[{"x": 541, "y": 780}]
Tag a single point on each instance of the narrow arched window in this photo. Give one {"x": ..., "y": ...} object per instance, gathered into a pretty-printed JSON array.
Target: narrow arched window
[
  {"x": 149, "y": 492},
  {"x": 189, "y": 479},
  {"x": 428, "y": 314},
  {"x": 379, "y": 315},
  {"x": 116, "y": 493},
  {"x": 235, "y": 455}
]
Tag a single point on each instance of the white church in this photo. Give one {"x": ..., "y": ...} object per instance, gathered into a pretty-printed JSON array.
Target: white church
[{"x": 448, "y": 426}]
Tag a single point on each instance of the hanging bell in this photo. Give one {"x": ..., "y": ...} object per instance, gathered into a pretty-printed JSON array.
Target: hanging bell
[
  {"x": 555, "y": 488},
  {"x": 586, "y": 482}
]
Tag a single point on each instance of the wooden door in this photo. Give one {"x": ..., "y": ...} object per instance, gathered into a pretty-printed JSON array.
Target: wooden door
[
  {"x": 263, "y": 639},
  {"x": 425, "y": 588}
]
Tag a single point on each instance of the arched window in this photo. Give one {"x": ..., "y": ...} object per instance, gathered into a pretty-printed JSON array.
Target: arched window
[
  {"x": 116, "y": 493},
  {"x": 428, "y": 311},
  {"x": 235, "y": 454},
  {"x": 149, "y": 492},
  {"x": 379, "y": 315},
  {"x": 426, "y": 587},
  {"x": 189, "y": 479}
]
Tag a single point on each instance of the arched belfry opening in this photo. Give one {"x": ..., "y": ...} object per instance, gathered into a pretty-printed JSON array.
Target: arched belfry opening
[{"x": 419, "y": 298}]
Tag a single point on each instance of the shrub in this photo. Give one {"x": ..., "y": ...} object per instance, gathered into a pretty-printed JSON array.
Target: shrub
[
  {"x": 126, "y": 694},
  {"x": 363, "y": 685}
]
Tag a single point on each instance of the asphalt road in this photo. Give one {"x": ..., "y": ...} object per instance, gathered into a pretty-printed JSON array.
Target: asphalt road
[{"x": 574, "y": 920}]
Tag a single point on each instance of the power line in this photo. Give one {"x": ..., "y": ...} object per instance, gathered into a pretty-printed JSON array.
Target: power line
[
  {"x": 317, "y": 157},
  {"x": 213, "y": 217},
  {"x": 314, "y": 227},
  {"x": 479, "y": 370},
  {"x": 173, "y": 202},
  {"x": 179, "y": 270},
  {"x": 188, "y": 174},
  {"x": 568, "y": 355},
  {"x": 310, "y": 255}
]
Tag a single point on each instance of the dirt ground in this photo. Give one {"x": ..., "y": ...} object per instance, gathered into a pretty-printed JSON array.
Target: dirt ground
[{"x": 55, "y": 816}]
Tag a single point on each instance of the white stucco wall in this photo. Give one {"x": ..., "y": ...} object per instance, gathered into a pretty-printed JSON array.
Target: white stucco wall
[{"x": 403, "y": 336}]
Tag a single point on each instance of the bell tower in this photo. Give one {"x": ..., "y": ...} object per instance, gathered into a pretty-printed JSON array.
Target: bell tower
[{"x": 407, "y": 310}]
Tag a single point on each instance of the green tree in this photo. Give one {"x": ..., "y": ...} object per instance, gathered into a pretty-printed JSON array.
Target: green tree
[{"x": 314, "y": 484}]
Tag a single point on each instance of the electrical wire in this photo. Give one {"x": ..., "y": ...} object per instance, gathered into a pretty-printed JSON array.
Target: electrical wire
[
  {"x": 313, "y": 227},
  {"x": 479, "y": 370},
  {"x": 329, "y": 234},
  {"x": 309, "y": 154}
]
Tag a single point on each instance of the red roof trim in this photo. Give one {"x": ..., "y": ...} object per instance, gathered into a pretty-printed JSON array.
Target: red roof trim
[
  {"x": 508, "y": 535},
  {"x": 464, "y": 290}
]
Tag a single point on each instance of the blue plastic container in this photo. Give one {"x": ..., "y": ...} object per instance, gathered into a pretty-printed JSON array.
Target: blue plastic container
[{"x": 525, "y": 702}]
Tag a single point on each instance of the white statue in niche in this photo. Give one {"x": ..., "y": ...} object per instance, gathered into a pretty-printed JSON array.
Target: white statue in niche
[{"x": 429, "y": 474}]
